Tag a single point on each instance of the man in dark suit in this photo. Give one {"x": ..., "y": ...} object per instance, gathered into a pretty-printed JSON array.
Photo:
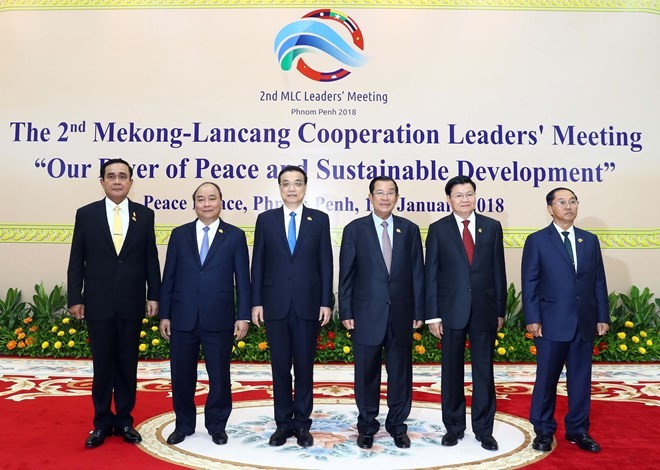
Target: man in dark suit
[
  {"x": 206, "y": 258},
  {"x": 113, "y": 261},
  {"x": 381, "y": 300},
  {"x": 466, "y": 297},
  {"x": 292, "y": 293},
  {"x": 564, "y": 296}
]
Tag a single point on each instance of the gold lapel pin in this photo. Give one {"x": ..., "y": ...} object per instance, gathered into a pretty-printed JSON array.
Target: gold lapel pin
[
  {"x": 220, "y": 230},
  {"x": 309, "y": 218},
  {"x": 579, "y": 240},
  {"x": 398, "y": 230},
  {"x": 134, "y": 217},
  {"x": 479, "y": 230}
]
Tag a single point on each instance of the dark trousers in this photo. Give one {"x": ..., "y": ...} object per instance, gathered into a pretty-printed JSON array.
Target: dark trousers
[
  {"x": 550, "y": 359},
  {"x": 114, "y": 343},
  {"x": 483, "y": 381},
  {"x": 184, "y": 355},
  {"x": 292, "y": 340},
  {"x": 398, "y": 364}
]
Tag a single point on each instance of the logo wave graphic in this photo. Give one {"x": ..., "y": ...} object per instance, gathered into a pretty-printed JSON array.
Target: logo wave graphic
[{"x": 313, "y": 35}]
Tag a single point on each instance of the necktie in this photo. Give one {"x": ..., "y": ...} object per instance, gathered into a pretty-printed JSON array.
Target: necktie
[
  {"x": 117, "y": 232},
  {"x": 468, "y": 242},
  {"x": 387, "y": 247},
  {"x": 204, "y": 250},
  {"x": 569, "y": 246},
  {"x": 292, "y": 232}
]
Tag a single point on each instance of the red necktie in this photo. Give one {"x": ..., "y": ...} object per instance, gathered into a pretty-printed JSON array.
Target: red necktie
[{"x": 468, "y": 242}]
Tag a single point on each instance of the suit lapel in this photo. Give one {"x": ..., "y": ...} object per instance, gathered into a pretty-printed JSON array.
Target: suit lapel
[
  {"x": 579, "y": 247},
  {"x": 374, "y": 242},
  {"x": 191, "y": 240},
  {"x": 456, "y": 236},
  {"x": 557, "y": 242},
  {"x": 479, "y": 233},
  {"x": 398, "y": 235},
  {"x": 132, "y": 224},
  {"x": 280, "y": 227},
  {"x": 102, "y": 217},
  {"x": 306, "y": 222},
  {"x": 218, "y": 239}
]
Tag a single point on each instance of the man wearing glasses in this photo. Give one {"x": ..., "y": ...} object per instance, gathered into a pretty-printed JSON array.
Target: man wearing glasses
[
  {"x": 381, "y": 300},
  {"x": 292, "y": 294},
  {"x": 466, "y": 298},
  {"x": 565, "y": 301}
]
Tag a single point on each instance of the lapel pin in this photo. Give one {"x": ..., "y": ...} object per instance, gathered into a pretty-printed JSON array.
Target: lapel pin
[
  {"x": 579, "y": 240},
  {"x": 220, "y": 230},
  {"x": 479, "y": 230},
  {"x": 309, "y": 218},
  {"x": 398, "y": 230},
  {"x": 134, "y": 217}
]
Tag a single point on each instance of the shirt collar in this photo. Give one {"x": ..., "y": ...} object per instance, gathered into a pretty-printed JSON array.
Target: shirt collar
[{"x": 110, "y": 206}]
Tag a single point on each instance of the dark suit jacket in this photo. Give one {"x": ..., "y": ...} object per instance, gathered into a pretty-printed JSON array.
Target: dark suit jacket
[
  {"x": 369, "y": 294},
  {"x": 191, "y": 290},
  {"x": 557, "y": 297},
  {"x": 106, "y": 283},
  {"x": 304, "y": 277},
  {"x": 454, "y": 288}
]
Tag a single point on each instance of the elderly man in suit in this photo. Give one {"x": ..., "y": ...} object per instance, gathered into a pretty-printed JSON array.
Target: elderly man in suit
[
  {"x": 466, "y": 297},
  {"x": 564, "y": 296},
  {"x": 113, "y": 266},
  {"x": 292, "y": 293},
  {"x": 206, "y": 258},
  {"x": 381, "y": 300}
]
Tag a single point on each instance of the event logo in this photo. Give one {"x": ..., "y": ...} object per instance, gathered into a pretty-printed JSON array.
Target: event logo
[{"x": 314, "y": 34}]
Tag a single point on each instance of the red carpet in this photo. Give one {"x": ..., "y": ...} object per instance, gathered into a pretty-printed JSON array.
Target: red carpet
[{"x": 47, "y": 427}]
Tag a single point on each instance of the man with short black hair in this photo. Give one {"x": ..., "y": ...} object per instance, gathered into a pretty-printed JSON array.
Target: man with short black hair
[
  {"x": 292, "y": 294},
  {"x": 565, "y": 300},
  {"x": 113, "y": 261},
  {"x": 466, "y": 298}
]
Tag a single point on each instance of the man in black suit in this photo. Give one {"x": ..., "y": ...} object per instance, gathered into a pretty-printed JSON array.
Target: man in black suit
[
  {"x": 205, "y": 259},
  {"x": 113, "y": 263},
  {"x": 564, "y": 295},
  {"x": 292, "y": 293},
  {"x": 381, "y": 300},
  {"x": 466, "y": 297}
]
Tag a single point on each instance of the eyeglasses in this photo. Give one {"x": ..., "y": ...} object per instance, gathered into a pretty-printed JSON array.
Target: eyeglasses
[
  {"x": 459, "y": 196},
  {"x": 563, "y": 203},
  {"x": 295, "y": 184},
  {"x": 383, "y": 194}
]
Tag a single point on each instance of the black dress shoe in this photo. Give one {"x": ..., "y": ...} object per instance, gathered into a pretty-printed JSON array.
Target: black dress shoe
[
  {"x": 402, "y": 441},
  {"x": 365, "y": 441},
  {"x": 584, "y": 441},
  {"x": 488, "y": 442},
  {"x": 129, "y": 434},
  {"x": 176, "y": 437},
  {"x": 542, "y": 442},
  {"x": 219, "y": 437},
  {"x": 452, "y": 438},
  {"x": 305, "y": 439},
  {"x": 279, "y": 437},
  {"x": 96, "y": 438}
]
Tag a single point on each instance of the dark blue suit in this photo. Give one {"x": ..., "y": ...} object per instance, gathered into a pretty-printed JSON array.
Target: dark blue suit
[
  {"x": 292, "y": 288},
  {"x": 568, "y": 305},
  {"x": 383, "y": 306},
  {"x": 468, "y": 298},
  {"x": 199, "y": 302}
]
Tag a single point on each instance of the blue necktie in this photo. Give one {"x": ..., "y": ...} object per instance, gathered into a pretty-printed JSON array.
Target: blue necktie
[
  {"x": 292, "y": 232},
  {"x": 205, "y": 246}
]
